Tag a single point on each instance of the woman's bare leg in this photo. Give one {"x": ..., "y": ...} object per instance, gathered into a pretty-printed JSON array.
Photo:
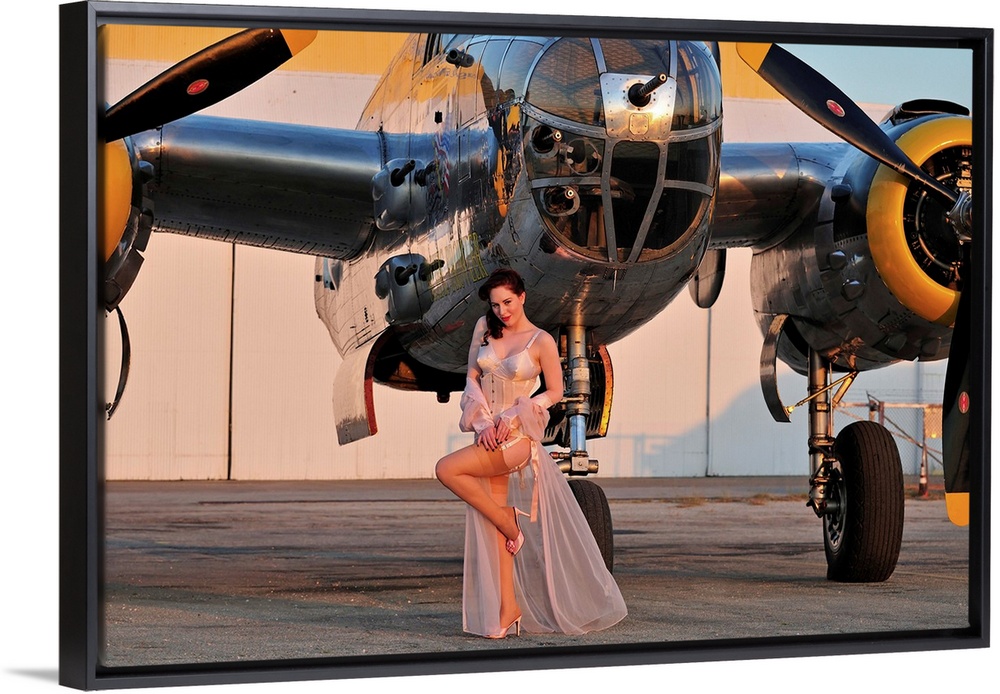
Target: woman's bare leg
[
  {"x": 460, "y": 472},
  {"x": 509, "y": 610}
]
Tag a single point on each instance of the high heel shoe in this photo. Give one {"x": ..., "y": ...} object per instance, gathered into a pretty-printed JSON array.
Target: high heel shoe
[
  {"x": 502, "y": 634},
  {"x": 514, "y": 546}
]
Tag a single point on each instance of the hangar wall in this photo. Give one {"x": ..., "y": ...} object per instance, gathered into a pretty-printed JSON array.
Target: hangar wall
[{"x": 232, "y": 371}]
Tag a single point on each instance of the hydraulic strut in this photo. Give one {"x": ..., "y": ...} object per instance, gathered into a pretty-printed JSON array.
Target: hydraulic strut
[
  {"x": 820, "y": 432},
  {"x": 577, "y": 402},
  {"x": 821, "y": 440}
]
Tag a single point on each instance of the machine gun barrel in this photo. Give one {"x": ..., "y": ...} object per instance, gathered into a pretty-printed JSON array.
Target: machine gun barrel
[
  {"x": 639, "y": 93},
  {"x": 399, "y": 175}
]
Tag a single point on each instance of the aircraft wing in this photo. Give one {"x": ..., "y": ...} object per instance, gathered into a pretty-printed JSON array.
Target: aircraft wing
[
  {"x": 288, "y": 187},
  {"x": 768, "y": 190}
]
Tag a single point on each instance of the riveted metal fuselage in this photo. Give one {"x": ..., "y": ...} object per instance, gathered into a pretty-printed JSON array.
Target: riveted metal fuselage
[{"x": 603, "y": 207}]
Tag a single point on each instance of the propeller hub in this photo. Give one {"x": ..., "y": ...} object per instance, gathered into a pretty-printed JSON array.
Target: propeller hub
[{"x": 960, "y": 217}]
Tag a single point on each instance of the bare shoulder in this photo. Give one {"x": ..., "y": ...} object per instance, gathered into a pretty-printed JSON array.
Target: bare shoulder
[{"x": 546, "y": 342}]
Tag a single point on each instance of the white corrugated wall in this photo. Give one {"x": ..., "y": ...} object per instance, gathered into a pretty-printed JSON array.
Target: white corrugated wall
[{"x": 172, "y": 422}]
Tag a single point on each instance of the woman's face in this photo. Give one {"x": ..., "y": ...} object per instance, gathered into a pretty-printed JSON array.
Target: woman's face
[{"x": 508, "y": 306}]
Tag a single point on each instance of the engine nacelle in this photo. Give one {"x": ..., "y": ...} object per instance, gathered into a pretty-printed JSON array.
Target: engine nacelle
[{"x": 876, "y": 279}]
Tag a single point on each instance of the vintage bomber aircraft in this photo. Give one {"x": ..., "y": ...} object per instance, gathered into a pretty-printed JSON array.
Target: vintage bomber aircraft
[{"x": 596, "y": 168}]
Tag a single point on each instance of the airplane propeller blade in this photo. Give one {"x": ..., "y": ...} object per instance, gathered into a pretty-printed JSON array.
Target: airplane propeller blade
[
  {"x": 203, "y": 79},
  {"x": 955, "y": 411},
  {"x": 822, "y": 101}
]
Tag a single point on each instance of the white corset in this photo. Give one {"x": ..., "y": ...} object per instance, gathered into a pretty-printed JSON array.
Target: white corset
[{"x": 505, "y": 380}]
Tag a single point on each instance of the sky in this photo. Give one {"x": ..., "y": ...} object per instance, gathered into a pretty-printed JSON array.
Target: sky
[{"x": 883, "y": 74}]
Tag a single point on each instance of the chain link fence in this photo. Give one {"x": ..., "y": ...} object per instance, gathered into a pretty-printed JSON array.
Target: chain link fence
[{"x": 916, "y": 428}]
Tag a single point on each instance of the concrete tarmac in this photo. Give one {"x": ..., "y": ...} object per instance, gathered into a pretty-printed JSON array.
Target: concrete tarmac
[{"x": 203, "y": 572}]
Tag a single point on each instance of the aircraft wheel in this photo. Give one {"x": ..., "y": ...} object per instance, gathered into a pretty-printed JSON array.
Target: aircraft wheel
[
  {"x": 863, "y": 532},
  {"x": 594, "y": 505}
]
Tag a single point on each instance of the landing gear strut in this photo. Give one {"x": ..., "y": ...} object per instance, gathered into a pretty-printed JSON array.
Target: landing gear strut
[
  {"x": 576, "y": 461},
  {"x": 856, "y": 487}
]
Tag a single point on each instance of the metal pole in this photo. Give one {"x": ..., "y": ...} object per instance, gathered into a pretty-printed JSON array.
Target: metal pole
[{"x": 922, "y": 491}]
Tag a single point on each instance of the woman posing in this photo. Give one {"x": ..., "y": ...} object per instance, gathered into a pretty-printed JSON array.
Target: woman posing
[{"x": 530, "y": 557}]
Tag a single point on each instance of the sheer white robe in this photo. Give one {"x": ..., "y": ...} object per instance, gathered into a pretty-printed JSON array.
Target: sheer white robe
[{"x": 560, "y": 579}]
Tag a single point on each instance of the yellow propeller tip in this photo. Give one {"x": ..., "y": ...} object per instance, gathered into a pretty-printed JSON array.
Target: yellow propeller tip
[
  {"x": 753, "y": 54},
  {"x": 298, "y": 39},
  {"x": 958, "y": 507}
]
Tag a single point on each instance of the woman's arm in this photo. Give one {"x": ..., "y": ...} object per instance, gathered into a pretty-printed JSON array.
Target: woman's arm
[
  {"x": 475, "y": 414},
  {"x": 474, "y": 372},
  {"x": 548, "y": 358}
]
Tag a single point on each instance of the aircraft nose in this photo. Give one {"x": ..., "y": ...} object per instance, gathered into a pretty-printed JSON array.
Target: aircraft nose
[{"x": 621, "y": 143}]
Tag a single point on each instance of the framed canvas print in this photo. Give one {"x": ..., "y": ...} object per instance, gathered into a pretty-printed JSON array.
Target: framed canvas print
[{"x": 423, "y": 342}]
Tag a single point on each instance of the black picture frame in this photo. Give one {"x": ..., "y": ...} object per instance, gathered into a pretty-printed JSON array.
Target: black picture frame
[{"x": 80, "y": 486}]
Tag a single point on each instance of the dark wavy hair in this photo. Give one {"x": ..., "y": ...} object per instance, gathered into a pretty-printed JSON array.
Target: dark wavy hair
[{"x": 501, "y": 277}]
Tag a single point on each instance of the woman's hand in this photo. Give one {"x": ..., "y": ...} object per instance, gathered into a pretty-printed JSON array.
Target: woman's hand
[
  {"x": 503, "y": 431},
  {"x": 491, "y": 438},
  {"x": 487, "y": 438}
]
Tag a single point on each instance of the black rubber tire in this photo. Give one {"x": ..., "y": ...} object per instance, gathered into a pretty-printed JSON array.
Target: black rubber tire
[
  {"x": 863, "y": 538},
  {"x": 594, "y": 505}
]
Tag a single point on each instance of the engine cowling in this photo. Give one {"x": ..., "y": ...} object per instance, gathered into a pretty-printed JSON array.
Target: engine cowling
[
  {"x": 876, "y": 279},
  {"x": 912, "y": 246},
  {"x": 124, "y": 217}
]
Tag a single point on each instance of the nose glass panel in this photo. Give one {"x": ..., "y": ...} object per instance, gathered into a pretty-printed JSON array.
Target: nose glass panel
[
  {"x": 699, "y": 92},
  {"x": 565, "y": 82},
  {"x": 683, "y": 205},
  {"x": 634, "y": 174},
  {"x": 635, "y": 57}
]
